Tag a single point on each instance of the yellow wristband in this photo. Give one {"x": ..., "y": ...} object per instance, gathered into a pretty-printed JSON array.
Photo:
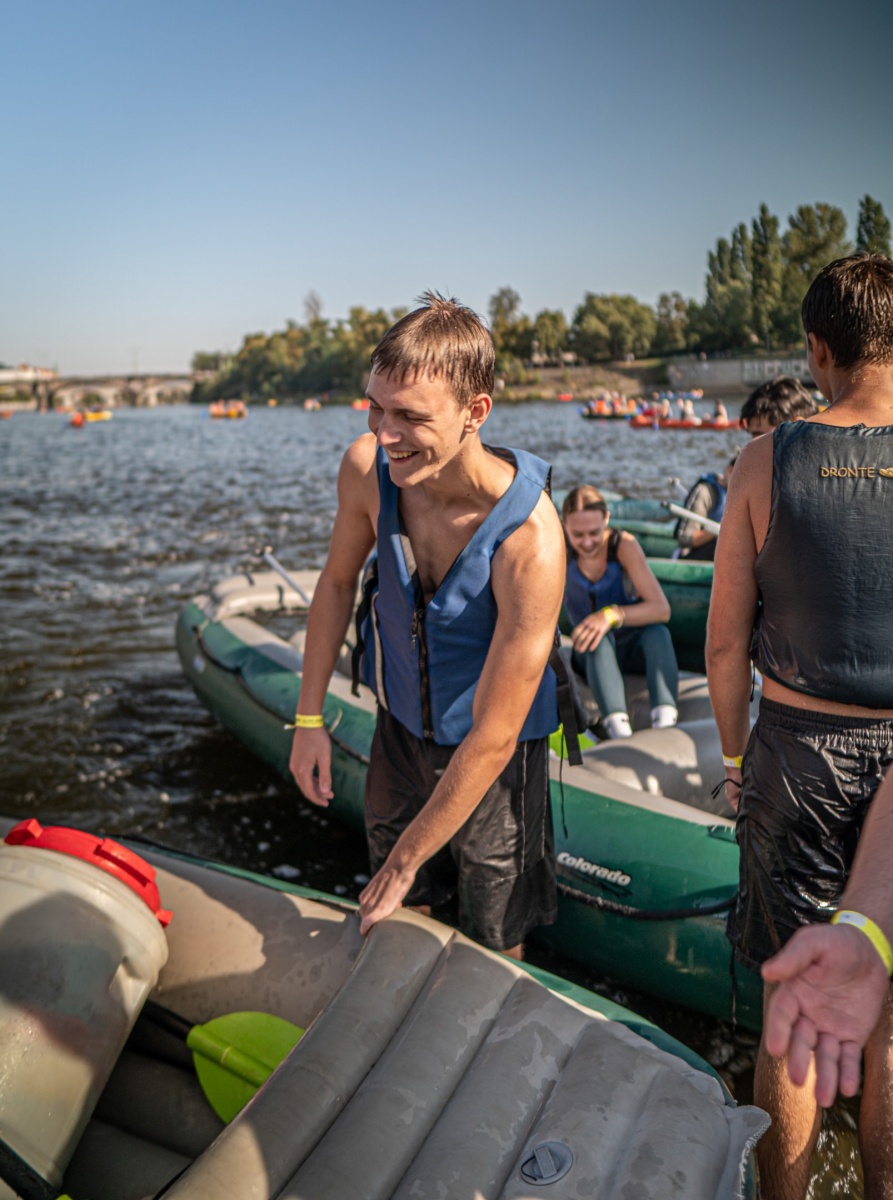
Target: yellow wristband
[
  {"x": 303, "y": 722},
  {"x": 729, "y": 760},
  {"x": 873, "y": 932},
  {"x": 614, "y": 615}
]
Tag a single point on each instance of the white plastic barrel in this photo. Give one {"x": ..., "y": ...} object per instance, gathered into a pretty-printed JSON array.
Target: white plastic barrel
[{"x": 81, "y": 946}]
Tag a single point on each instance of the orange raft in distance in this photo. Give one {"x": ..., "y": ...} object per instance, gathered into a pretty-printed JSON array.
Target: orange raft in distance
[
  {"x": 227, "y": 408},
  {"x": 646, "y": 422}
]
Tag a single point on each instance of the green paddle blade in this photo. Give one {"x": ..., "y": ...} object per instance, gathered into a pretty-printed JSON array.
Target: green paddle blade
[
  {"x": 559, "y": 745},
  {"x": 236, "y": 1053}
]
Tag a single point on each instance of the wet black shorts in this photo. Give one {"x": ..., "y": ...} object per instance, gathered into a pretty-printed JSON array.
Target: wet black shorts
[
  {"x": 807, "y": 781},
  {"x": 500, "y": 865}
]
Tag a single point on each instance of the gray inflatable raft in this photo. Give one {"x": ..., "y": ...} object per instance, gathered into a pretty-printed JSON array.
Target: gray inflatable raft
[{"x": 431, "y": 1069}]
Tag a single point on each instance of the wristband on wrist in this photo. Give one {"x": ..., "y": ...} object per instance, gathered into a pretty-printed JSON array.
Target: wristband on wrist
[
  {"x": 614, "y": 615},
  {"x": 304, "y": 722},
  {"x": 873, "y": 932},
  {"x": 732, "y": 760}
]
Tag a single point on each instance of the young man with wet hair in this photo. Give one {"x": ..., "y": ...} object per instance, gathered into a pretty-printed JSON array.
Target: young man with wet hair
[
  {"x": 781, "y": 399},
  {"x": 803, "y": 586},
  {"x": 458, "y": 624}
]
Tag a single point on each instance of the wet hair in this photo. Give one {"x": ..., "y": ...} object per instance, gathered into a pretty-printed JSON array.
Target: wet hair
[
  {"x": 441, "y": 340},
  {"x": 581, "y": 499},
  {"x": 849, "y": 306},
  {"x": 781, "y": 399}
]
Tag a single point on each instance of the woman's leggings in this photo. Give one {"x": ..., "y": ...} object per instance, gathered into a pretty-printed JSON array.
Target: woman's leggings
[{"x": 642, "y": 650}]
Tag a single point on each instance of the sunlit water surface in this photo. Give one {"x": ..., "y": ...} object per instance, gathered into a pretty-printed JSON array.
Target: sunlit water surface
[{"x": 108, "y": 530}]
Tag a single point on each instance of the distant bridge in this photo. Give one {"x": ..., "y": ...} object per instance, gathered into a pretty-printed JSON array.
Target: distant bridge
[{"x": 70, "y": 391}]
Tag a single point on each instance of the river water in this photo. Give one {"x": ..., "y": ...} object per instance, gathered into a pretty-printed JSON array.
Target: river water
[{"x": 109, "y": 529}]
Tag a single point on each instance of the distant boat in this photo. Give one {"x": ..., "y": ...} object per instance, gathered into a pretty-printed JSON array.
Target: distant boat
[
  {"x": 227, "y": 408},
  {"x": 80, "y": 418},
  {"x": 360, "y": 405},
  {"x": 645, "y": 422}
]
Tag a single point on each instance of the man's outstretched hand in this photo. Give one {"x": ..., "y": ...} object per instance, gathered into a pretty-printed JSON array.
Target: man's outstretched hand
[
  {"x": 831, "y": 986},
  {"x": 383, "y": 894}
]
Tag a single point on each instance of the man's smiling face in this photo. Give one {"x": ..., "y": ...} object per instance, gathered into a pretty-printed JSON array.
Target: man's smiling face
[{"x": 418, "y": 423}]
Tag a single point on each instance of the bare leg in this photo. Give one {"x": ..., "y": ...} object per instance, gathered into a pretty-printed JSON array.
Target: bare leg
[
  {"x": 784, "y": 1151},
  {"x": 516, "y": 952},
  {"x": 876, "y": 1112}
]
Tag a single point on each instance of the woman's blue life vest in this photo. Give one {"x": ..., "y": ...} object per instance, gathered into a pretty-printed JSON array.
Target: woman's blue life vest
[
  {"x": 423, "y": 661},
  {"x": 824, "y": 573},
  {"x": 583, "y": 596}
]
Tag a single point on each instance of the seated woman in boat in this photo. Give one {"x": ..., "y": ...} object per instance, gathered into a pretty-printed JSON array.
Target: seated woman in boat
[{"x": 619, "y": 614}]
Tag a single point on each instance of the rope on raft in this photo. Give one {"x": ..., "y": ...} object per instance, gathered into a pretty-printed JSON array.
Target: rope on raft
[{"x": 643, "y": 914}]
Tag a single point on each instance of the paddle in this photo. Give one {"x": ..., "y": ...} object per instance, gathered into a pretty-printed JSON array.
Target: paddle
[
  {"x": 678, "y": 511},
  {"x": 277, "y": 566},
  {"x": 233, "y": 1054}
]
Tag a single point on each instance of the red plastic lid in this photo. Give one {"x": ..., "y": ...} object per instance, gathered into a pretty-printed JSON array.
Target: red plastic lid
[{"x": 107, "y": 855}]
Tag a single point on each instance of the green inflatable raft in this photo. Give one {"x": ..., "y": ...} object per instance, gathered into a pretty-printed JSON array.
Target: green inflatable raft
[{"x": 647, "y": 860}]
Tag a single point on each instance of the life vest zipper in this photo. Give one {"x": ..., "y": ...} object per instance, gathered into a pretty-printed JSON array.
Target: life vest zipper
[{"x": 417, "y": 630}]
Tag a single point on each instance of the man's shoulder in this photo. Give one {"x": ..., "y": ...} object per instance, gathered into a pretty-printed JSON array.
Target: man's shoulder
[
  {"x": 358, "y": 476},
  {"x": 541, "y": 534},
  {"x": 361, "y": 454}
]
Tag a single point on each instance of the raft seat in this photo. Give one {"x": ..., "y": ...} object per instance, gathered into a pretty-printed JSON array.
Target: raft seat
[{"x": 438, "y": 1069}]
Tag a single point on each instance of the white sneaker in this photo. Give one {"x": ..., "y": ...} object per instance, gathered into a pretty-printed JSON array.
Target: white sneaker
[
  {"x": 617, "y": 725},
  {"x": 664, "y": 716}
]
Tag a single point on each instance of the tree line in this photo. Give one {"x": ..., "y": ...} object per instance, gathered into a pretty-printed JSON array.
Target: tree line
[{"x": 756, "y": 280}]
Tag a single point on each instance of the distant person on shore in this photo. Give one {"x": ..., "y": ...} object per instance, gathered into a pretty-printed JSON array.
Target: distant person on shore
[
  {"x": 781, "y": 399},
  {"x": 803, "y": 591},
  {"x": 707, "y": 498},
  {"x": 616, "y": 631}
]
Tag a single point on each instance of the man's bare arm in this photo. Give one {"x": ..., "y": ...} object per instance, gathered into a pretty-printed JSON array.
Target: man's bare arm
[
  {"x": 528, "y": 583},
  {"x": 733, "y": 608},
  {"x": 353, "y": 536}
]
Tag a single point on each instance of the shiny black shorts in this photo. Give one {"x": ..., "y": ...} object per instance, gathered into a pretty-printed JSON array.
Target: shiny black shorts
[
  {"x": 807, "y": 781},
  {"x": 500, "y": 866}
]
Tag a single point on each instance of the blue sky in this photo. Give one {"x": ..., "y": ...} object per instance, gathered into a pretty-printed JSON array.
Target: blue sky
[{"x": 177, "y": 175}]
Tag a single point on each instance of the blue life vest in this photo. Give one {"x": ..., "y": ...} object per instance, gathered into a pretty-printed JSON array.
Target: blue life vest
[
  {"x": 719, "y": 507},
  {"x": 719, "y": 504},
  {"x": 583, "y": 596},
  {"x": 423, "y": 661}
]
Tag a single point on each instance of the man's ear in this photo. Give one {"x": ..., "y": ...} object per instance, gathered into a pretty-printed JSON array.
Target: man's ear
[
  {"x": 820, "y": 352},
  {"x": 477, "y": 412}
]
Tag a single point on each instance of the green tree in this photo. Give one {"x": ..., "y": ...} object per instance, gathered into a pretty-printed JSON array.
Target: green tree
[
  {"x": 207, "y": 361},
  {"x": 612, "y": 327},
  {"x": 873, "y": 231},
  {"x": 504, "y": 308},
  {"x": 671, "y": 324},
  {"x": 724, "y": 321},
  {"x": 512, "y": 331},
  {"x": 550, "y": 333},
  {"x": 816, "y": 235},
  {"x": 766, "y": 276}
]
